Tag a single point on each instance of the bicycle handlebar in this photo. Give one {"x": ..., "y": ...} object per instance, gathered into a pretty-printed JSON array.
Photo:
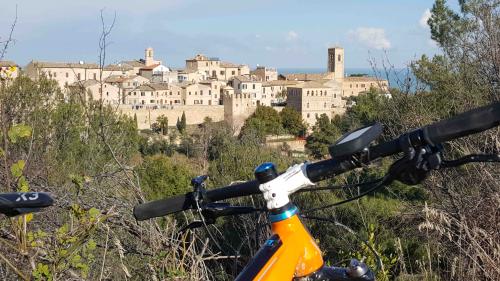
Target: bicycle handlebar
[{"x": 464, "y": 124}]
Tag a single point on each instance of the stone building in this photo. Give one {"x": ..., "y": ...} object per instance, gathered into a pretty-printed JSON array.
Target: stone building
[
  {"x": 148, "y": 96},
  {"x": 65, "y": 73},
  {"x": 94, "y": 90},
  {"x": 117, "y": 69},
  {"x": 266, "y": 73},
  {"x": 277, "y": 90},
  {"x": 214, "y": 68},
  {"x": 313, "y": 98},
  {"x": 353, "y": 86}
]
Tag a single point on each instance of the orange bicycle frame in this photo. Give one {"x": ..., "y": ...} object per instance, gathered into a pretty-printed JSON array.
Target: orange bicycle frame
[{"x": 290, "y": 252}]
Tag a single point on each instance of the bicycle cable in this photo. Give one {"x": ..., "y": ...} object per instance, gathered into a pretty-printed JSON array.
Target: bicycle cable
[
  {"x": 379, "y": 183},
  {"x": 336, "y": 223},
  {"x": 338, "y": 187}
]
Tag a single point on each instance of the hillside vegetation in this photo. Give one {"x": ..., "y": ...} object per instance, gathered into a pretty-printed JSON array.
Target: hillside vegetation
[{"x": 99, "y": 166}]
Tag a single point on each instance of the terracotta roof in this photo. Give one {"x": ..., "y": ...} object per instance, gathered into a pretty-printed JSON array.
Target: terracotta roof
[
  {"x": 305, "y": 76},
  {"x": 4, "y": 63},
  {"x": 43, "y": 64},
  {"x": 279, "y": 83}
]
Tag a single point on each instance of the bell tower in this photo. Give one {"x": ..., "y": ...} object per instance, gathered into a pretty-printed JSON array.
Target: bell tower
[
  {"x": 336, "y": 62},
  {"x": 149, "y": 56}
]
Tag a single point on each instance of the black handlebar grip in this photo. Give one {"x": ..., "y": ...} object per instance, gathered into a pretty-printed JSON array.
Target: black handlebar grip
[
  {"x": 25, "y": 200},
  {"x": 163, "y": 207},
  {"x": 470, "y": 122}
]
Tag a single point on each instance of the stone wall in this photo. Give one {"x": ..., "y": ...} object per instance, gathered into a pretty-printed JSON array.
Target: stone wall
[{"x": 195, "y": 114}]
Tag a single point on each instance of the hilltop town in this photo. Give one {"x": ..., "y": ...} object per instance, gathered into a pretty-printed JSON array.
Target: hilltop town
[{"x": 207, "y": 87}]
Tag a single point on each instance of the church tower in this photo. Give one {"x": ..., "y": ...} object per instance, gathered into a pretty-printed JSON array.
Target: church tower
[
  {"x": 149, "y": 56},
  {"x": 336, "y": 62}
]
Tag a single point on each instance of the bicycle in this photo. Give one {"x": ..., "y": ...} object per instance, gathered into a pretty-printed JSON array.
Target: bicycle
[
  {"x": 20, "y": 203},
  {"x": 291, "y": 252}
]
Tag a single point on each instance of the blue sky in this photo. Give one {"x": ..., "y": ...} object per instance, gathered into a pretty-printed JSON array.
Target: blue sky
[{"x": 275, "y": 33}]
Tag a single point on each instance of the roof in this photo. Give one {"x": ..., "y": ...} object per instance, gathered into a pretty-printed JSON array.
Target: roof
[
  {"x": 229, "y": 64},
  {"x": 305, "y": 76},
  {"x": 362, "y": 79},
  {"x": 121, "y": 78},
  {"x": 149, "y": 67},
  {"x": 247, "y": 78},
  {"x": 4, "y": 63},
  {"x": 117, "y": 67},
  {"x": 43, "y": 64},
  {"x": 159, "y": 86},
  {"x": 134, "y": 63},
  {"x": 279, "y": 83},
  {"x": 312, "y": 84}
]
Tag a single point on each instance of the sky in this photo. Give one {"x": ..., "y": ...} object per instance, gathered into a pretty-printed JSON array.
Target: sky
[{"x": 275, "y": 33}]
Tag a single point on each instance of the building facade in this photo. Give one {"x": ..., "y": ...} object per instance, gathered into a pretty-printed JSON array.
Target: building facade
[{"x": 313, "y": 98}]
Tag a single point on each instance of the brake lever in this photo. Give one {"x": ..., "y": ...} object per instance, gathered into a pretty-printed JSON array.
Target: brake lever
[{"x": 472, "y": 158}]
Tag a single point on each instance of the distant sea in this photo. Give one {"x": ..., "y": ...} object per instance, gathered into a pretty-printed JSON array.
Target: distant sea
[{"x": 396, "y": 77}]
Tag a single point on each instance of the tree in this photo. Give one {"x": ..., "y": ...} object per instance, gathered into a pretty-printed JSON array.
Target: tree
[
  {"x": 264, "y": 121},
  {"x": 181, "y": 124},
  {"x": 291, "y": 121},
  {"x": 325, "y": 133},
  {"x": 162, "y": 121},
  {"x": 162, "y": 176}
]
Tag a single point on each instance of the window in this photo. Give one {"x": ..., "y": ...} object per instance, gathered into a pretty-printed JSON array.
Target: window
[
  {"x": 79, "y": 76},
  {"x": 201, "y": 92},
  {"x": 334, "y": 96},
  {"x": 320, "y": 93},
  {"x": 170, "y": 93},
  {"x": 67, "y": 75},
  {"x": 253, "y": 86},
  {"x": 338, "y": 57},
  {"x": 307, "y": 105},
  {"x": 142, "y": 94},
  {"x": 209, "y": 92},
  {"x": 307, "y": 93},
  {"x": 222, "y": 72},
  {"x": 308, "y": 115},
  {"x": 233, "y": 72},
  {"x": 324, "y": 105},
  {"x": 55, "y": 75},
  {"x": 189, "y": 93},
  {"x": 95, "y": 76},
  {"x": 326, "y": 93}
]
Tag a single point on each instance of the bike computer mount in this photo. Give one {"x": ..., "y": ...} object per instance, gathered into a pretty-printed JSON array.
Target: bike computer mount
[{"x": 355, "y": 141}]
